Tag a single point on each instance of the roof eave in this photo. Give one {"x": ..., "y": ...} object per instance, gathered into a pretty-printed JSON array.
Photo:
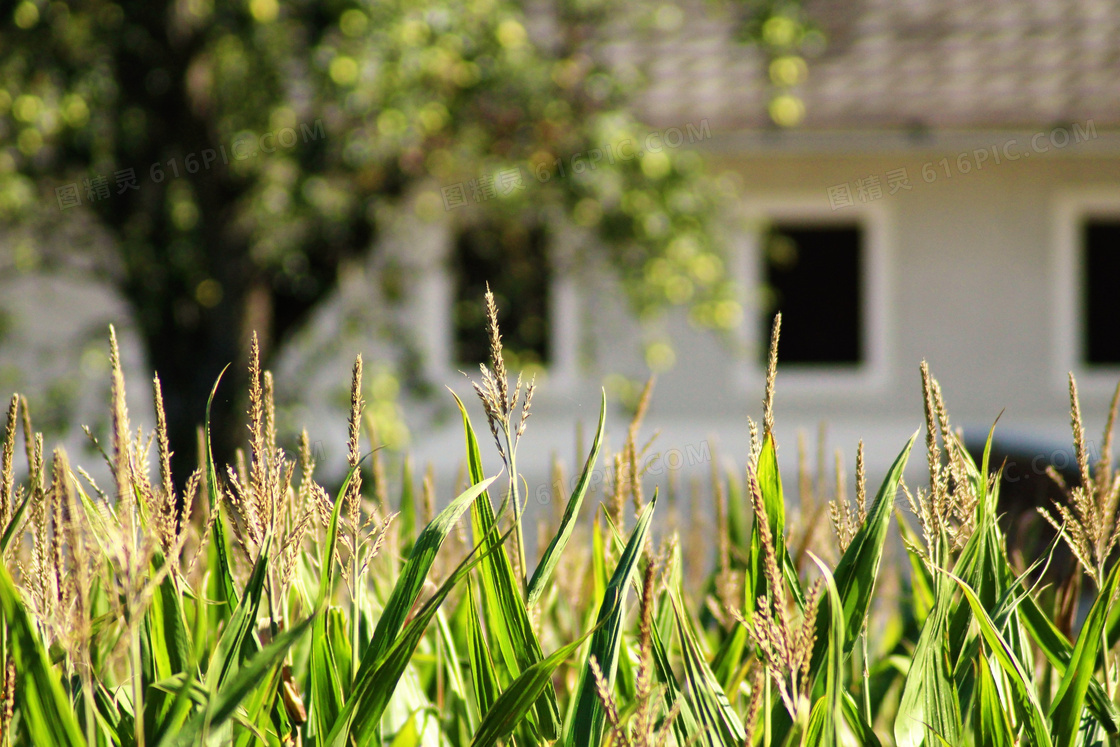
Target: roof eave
[{"x": 1086, "y": 138}]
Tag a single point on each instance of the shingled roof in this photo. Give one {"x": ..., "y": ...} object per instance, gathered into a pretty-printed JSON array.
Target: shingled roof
[{"x": 895, "y": 65}]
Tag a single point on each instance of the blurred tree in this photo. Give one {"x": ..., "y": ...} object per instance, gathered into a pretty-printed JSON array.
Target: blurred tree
[{"x": 240, "y": 153}]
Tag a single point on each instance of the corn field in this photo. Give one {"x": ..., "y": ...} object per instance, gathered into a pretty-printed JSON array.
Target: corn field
[{"x": 253, "y": 607}]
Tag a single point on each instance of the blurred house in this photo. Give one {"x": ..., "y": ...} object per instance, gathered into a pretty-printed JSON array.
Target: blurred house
[{"x": 951, "y": 193}]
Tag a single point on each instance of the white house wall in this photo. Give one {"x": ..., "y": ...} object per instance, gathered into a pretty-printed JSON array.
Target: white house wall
[
  {"x": 975, "y": 276},
  {"x": 970, "y": 282}
]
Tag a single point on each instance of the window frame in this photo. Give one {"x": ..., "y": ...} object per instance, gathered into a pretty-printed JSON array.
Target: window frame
[
  {"x": 871, "y": 373},
  {"x": 431, "y": 306},
  {"x": 1072, "y": 210}
]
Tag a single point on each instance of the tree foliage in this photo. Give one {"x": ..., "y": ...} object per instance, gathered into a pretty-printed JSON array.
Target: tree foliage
[{"x": 237, "y": 155}]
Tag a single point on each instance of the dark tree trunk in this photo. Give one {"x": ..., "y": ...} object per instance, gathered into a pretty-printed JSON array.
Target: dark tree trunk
[
  {"x": 188, "y": 338},
  {"x": 188, "y": 343}
]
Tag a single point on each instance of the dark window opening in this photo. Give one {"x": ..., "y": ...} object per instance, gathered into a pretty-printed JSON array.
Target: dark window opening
[
  {"x": 813, "y": 277},
  {"x": 513, "y": 259},
  {"x": 1101, "y": 309}
]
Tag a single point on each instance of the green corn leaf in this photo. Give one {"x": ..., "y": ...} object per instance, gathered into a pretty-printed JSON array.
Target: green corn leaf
[
  {"x": 509, "y": 709},
  {"x": 719, "y": 724},
  {"x": 1025, "y": 700},
  {"x": 338, "y": 636},
  {"x": 921, "y": 581},
  {"x": 225, "y": 590},
  {"x": 599, "y": 575},
  {"x": 556, "y": 547},
  {"x": 1052, "y": 642},
  {"x": 169, "y": 641},
  {"x": 414, "y": 573},
  {"x": 48, "y": 718},
  {"x": 176, "y": 637},
  {"x": 684, "y": 725},
  {"x": 511, "y": 635},
  {"x": 326, "y": 685},
  {"x": 990, "y": 724},
  {"x": 239, "y": 686},
  {"x": 855, "y": 577},
  {"x": 862, "y": 730},
  {"x": 1065, "y": 712},
  {"x": 770, "y": 484},
  {"x": 822, "y": 729},
  {"x": 982, "y": 564},
  {"x": 327, "y": 690},
  {"x": 929, "y": 707},
  {"x": 358, "y": 721},
  {"x": 241, "y": 626},
  {"x": 264, "y": 714},
  {"x": 728, "y": 660},
  {"x": 738, "y": 520},
  {"x": 1004, "y": 615},
  {"x": 1059, "y": 652},
  {"x": 588, "y": 723},
  {"x": 484, "y": 677},
  {"x": 188, "y": 692},
  {"x": 685, "y": 728},
  {"x": 454, "y": 669},
  {"x": 858, "y": 570},
  {"x": 411, "y": 734},
  {"x": 108, "y": 717}
]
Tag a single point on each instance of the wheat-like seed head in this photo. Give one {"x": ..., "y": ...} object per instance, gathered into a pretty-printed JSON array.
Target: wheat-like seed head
[
  {"x": 28, "y": 437},
  {"x": 82, "y": 566},
  {"x": 756, "y": 444},
  {"x": 527, "y": 404},
  {"x": 38, "y": 576},
  {"x": 785, "y": 648},
  {"x": 844, "y": 523},
  {"x": 1089, "y": 522},
  {"x": 256, "y": 417},
  {"x": 861, "y": 484},
  {"x": 58, "y": 488},
  {"x": 947, "y": 512},
  {"x": 643, "y": 683},
  {"x": 933, "y": 453},
  {"x": 164, "y": 515},
  {"x": 606, "y": 697},
  {"x": 771, "y": 375},
  {"x": 258, "y": 457},
  {"x": 7, "y": 458},
  {"x": 162, "y": 443},
  {"x": 269, "y": 390},
  {"x": 357, "y": 404},
  {"x": 496, "y": 359},
  {"x": 770, "y": 568},
  {"x": 758, "y": 682},
  {"x": 122, "y": 452},
  {"x": 1079, "y": 436}
]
